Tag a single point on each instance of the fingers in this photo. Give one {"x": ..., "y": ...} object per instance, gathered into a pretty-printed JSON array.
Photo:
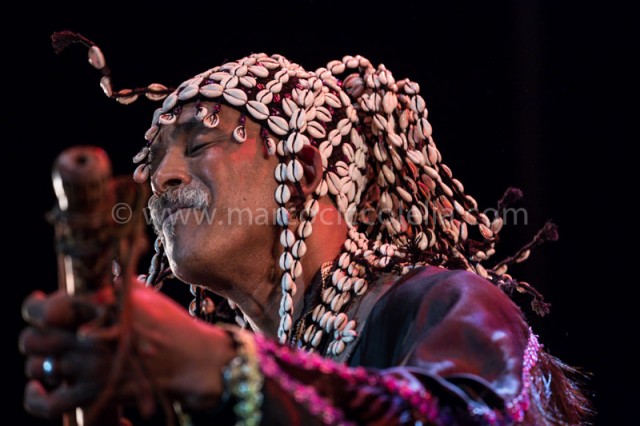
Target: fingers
[
  {"x": 94, "y": 332},
  {"x": 52, "y": 404},
  {"x": 35, "y": 341},
  {"x": 43, "y": 369},
  {"x": 57, "y": 310},
  {"x": 71, "y": 367},
  {"x": 69, "y": 357}
]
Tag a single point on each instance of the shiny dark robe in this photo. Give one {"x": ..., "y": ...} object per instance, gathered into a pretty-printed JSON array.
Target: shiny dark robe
[{"x": 455, "y": 333}]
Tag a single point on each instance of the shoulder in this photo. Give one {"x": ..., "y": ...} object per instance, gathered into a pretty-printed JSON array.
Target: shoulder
[
  {"x": 433, "y": 301},
  {"x": 447, "y": 322},
  {"x": 443, "y": 289}
]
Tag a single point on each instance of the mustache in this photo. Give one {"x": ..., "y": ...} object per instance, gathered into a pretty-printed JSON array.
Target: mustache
[{"x": 192, "y": 196}]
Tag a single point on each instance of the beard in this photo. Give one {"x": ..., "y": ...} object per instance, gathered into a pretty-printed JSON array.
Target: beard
[{"x": 192, "y": 196}]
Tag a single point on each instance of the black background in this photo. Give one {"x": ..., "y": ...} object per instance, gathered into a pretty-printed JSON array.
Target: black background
[{"x": 522, "y": 93}]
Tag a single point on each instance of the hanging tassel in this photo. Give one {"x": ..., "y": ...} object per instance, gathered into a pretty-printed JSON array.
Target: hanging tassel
[
  {"x": 549, "y": 232},
  {"x": 60, "y": 40},
  {"x": 510, "y": 196}
]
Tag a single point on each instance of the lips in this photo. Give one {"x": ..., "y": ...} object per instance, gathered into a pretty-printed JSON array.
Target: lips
[{"x": 172, "y": 212}]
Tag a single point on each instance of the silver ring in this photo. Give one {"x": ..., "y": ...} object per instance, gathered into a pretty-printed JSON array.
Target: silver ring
[{"x": 48, "y": 367}]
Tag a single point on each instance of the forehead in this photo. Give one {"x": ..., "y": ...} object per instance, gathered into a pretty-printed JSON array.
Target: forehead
[
  {"x": 187, "y": 115},
  {"x": 187, "y": 122}
]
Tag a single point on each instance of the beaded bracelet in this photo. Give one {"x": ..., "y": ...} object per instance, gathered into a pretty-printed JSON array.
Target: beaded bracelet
[
  {"x": 243, "y": 379},
  {"x": 242, "y": 383}
]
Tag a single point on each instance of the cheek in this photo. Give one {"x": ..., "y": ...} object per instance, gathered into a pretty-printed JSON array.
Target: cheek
[
  {"x": 240, "y": 175},
  {"x": 267, "y": 182},
  {"x": 252, "y": 172}
]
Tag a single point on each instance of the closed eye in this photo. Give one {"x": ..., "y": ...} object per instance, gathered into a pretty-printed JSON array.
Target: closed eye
[
  {"x": 199, "y": 143},
  {"x": 197, "y": 148}
]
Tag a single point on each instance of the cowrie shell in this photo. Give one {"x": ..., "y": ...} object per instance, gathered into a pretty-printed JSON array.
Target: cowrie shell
[
  {"x": 236, "y": 97},
  {"x": 258, "y": 110},
  {"x": 96, "y": 58},
  {"x": 211, "y": 90},
  {"x": 278, "y": 125},
  {"x": 188, "y": 92}
]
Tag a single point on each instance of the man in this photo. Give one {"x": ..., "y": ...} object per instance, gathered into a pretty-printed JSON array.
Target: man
[{"x": 317, "y": 206}]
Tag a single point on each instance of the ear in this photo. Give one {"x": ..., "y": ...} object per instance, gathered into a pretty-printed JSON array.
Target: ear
[{"x": 311, "y": 161}]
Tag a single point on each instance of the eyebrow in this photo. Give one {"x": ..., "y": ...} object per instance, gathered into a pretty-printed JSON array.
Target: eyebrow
[{"x": 189, "y": 126}]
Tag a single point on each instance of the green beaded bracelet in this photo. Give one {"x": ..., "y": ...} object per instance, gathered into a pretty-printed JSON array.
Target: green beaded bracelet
[{"x": 243, "y": 379}]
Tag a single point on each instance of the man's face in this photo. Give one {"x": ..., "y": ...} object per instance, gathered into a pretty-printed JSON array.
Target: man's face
[{"x": 228, "y": 191}]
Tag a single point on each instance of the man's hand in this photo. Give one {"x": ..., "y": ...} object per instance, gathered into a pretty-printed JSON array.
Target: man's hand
[{"x": 71, "y": 343}]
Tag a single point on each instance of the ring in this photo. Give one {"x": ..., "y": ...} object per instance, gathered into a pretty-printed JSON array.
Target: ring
[{"x": 48, "y": 367}]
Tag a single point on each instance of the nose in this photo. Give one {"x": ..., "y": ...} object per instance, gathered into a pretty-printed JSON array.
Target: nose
[{"x": 172, "y": 171}]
